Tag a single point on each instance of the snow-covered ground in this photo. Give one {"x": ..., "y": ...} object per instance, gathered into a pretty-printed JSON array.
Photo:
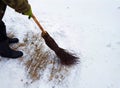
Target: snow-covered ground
[{"x": 88, "y": 27}]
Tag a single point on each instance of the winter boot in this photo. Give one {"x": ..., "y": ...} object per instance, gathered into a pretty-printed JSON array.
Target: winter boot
[
  {"x": 6, "y": 51},
  {"x": 12, "y": 40}
]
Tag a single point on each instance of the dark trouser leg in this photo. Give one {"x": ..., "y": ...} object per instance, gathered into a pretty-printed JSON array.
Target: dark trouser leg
[
  {"x": 3, "y": 35},
  {"x": 2, "y": 25},
  {"x": 2, "y": 9}
]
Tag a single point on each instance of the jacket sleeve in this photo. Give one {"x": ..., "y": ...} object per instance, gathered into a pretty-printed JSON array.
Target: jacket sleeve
[{"x": 21, "y": 6}]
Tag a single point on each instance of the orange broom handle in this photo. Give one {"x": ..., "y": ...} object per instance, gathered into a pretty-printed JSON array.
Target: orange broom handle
[{"x": 39, "y": 25}]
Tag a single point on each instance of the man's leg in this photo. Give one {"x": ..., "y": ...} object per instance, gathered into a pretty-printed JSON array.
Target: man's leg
[
  {"x": 5, "y": 50},
  {"x": 2, "y": 11}
]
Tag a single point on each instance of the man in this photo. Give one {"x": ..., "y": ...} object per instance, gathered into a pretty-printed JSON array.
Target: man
[{"x": 21, "y": 6}]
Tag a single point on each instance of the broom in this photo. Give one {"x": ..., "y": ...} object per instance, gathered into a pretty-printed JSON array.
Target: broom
[{"x": 66, "y": 58}]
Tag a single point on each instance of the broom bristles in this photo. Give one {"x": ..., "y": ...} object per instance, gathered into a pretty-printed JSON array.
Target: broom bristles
[{"x": 66, "y": 58}]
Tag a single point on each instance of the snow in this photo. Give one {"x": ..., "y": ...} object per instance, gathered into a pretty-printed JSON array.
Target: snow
[{"x": 90, "y": 28}]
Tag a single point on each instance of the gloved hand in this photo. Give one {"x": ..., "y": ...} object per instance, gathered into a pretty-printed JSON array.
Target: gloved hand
[{"x": 29, "y": 13}]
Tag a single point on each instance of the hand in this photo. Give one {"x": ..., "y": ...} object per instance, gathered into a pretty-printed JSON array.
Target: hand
[{"x": 29, "y": 13}]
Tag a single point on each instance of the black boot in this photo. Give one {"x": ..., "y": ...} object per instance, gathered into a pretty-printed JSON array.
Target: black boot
[
  {"x": 6, "y": 51},
  {"x": 12, "y": 40}
]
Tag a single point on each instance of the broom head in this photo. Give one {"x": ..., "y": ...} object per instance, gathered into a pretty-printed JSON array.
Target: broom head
[{"x": 65, "y": 57}]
